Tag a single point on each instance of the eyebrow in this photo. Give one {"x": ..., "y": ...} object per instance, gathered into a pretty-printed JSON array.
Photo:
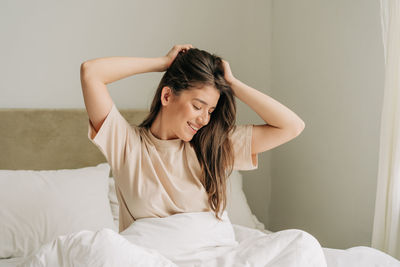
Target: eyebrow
[{"x": 202, "y": 101}]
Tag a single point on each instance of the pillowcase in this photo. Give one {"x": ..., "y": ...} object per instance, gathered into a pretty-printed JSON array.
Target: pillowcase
[
  {"x": 38, "y": 206},
  {"x": 237, "y": 207}
]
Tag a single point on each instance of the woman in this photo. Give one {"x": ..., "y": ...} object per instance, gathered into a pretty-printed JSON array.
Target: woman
[{"x": 177, "y": 160}]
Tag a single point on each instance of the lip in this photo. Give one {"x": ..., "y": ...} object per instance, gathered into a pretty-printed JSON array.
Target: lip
[{"x": 193, "y": 130}]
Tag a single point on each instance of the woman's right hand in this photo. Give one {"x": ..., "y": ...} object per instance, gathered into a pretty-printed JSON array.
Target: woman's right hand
[{"x": 170, "y": 57}]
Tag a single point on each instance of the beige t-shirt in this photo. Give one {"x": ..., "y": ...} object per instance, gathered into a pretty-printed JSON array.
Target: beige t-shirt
[{"x": 154, "y": 177}]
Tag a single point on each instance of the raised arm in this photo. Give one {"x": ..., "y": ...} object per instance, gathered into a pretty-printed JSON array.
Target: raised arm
[
  {"x": 97, "y": 73},
  {"x": 282, "y": 124}
]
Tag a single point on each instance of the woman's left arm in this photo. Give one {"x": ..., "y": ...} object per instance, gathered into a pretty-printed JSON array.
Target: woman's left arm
[{"x": 282, "y": 124}]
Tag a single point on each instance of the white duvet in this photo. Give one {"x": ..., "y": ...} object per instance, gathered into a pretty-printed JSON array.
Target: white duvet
[{"x": 185, "y": 239}]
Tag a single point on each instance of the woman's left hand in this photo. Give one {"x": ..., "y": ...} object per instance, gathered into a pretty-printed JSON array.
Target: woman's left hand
[{"x": 227, "y": 72}]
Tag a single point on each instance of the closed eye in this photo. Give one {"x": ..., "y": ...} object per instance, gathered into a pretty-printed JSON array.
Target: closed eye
[{"x": 197, "y": 108}]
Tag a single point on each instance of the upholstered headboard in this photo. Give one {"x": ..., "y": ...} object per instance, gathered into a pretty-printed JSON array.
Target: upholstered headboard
[{"x": 49, "y": 139}]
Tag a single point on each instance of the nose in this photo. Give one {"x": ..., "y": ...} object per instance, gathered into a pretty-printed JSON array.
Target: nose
[{"x": 203, "y": 119}]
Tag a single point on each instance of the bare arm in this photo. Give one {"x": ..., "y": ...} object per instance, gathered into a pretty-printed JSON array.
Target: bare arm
[
  {"x": 97, "y": 73},
  {"x": 111, "y": 69},
  {"x": 282, "y": 124},
  {"x": 270, "y": 110}
]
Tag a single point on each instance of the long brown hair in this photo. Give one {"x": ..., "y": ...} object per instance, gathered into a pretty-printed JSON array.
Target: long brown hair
[{"x": 194, "y": 69}]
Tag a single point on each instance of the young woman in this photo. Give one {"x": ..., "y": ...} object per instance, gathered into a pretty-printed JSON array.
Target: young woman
[{"x": 178, "y": 159}]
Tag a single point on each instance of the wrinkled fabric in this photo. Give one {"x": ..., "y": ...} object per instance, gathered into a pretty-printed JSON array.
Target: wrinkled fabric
[{"x": 159, "y": 242}]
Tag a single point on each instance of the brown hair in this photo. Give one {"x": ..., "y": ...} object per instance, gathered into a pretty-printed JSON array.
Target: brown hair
[{"x": 194, "y": 69}]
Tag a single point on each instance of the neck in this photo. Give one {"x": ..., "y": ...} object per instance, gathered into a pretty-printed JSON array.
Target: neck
[{"x": 159, "y": 128}]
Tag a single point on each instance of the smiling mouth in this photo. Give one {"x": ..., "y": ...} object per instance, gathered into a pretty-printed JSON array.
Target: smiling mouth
[{"x": 193, "y": 128}]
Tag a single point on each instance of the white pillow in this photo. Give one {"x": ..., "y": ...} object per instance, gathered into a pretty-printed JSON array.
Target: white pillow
[
  {"x": 38, "y": 206},
  {"x": 237, "y": 207}
]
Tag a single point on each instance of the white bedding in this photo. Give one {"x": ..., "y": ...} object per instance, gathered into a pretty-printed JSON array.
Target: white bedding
[
  {"x": 357, "y": 256},
  {"x": 166, "y": 242}
]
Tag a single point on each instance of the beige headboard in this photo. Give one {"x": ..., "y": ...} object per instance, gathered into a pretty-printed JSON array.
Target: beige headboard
[{"x": 49, "y": 139}]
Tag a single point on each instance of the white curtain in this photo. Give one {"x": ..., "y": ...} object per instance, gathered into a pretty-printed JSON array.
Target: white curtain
[{"x": 386, "y": 231}]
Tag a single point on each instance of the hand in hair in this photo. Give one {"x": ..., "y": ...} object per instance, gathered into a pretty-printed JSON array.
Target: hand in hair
[
  {"x": 227, "y": 72},
  {"x": 170, "y": 57}
]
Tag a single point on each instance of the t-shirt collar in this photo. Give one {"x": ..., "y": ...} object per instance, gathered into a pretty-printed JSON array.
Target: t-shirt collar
[{"x": 159, "y": 143}]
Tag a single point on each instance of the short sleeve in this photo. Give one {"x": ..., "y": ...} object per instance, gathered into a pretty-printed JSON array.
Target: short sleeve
[
  {"x": 241, "y": 141},
  {"x": 115, "y": 138}
]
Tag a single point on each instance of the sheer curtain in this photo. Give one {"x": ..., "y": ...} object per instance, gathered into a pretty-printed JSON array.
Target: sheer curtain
[{"x": 386, "y": 231}]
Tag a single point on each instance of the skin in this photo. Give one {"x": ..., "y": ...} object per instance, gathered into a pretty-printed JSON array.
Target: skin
[{"x": 192, "y": 107}]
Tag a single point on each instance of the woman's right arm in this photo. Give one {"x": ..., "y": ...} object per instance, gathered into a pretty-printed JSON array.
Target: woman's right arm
[
  {"x": 97, "y": 73},
  {"x": 111, "y": 69}
]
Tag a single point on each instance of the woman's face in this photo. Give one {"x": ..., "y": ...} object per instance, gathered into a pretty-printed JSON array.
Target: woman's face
[{"x": 190, "y": 111}]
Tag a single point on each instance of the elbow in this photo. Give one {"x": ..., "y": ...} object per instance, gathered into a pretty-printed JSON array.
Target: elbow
[
  {"x": 84, "y": 71},
  {"x": 84, "y": 66},
  {"x": 297, "y": 127},
  {"x": 300, "y": 127}
]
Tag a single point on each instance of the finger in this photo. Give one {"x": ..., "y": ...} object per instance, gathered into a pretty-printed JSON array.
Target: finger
[
  {"x": 187, "y": 47},
  {"x": 183, "y": 48}
]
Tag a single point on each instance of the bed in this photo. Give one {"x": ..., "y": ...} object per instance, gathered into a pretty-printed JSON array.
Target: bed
[{"x": 58, "y": 207}]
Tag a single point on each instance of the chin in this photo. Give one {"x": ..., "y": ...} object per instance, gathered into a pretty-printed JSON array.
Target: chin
[{"x": 185, "y": 136}]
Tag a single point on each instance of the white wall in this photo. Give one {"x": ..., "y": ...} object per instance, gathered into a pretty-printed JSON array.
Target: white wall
[
  {"x": 44, "y": 42},
  {"x": 328, "y": 65}
]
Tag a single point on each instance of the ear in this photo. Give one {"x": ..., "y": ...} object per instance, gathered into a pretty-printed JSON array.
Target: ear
[{"x": 166, "y": 95}]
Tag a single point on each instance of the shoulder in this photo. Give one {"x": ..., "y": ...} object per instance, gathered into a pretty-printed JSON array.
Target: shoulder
[{"x": 139, "y": 131}]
